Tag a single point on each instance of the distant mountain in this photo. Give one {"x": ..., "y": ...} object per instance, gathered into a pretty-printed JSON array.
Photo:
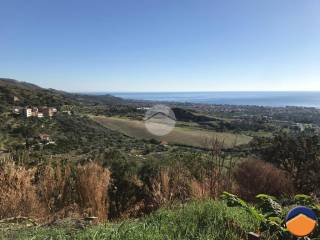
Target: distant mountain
[
  {"x": 95, "y": 99},
  {"x": 13, "y": 92},
  {"x": 12, "y": 83}
]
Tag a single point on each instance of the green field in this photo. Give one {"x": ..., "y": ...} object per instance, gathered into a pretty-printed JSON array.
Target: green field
[{"x": 180, "y": 135}]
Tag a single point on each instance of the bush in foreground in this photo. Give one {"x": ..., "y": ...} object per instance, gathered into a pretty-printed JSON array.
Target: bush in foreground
[{"x": 255, "y": 176}]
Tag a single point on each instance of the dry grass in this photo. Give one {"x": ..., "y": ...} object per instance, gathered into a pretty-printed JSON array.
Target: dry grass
[
  {"x": 46, "y": 192},
  {"x": 18, "y": 195},
  {"x": 178, "y": 184},
  {"x": 53, "y": 185},
  {"x": 92, "y": 187}
]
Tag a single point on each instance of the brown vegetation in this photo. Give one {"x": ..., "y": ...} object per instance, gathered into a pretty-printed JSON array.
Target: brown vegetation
[
  {"x": 18, "y": 195},
  {"x": 52, "y": 184},
  {"x": 255, "y": 176},
  {"x": 92, "y": 187},
  {"x": 62, "y": 189},
  {"x": 50, "y": 192}
]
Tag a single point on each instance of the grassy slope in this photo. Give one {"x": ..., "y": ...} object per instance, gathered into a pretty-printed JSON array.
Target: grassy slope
[
  {"x": 197, "y": 220},
  {"x": 179, "y": 135}
]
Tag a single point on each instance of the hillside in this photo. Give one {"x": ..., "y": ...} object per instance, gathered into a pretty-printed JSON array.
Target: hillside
[
  {"x": 77, "y": 132},
  {"x": 68, "y": 132},
  {"x": 188, "y": 116},
  {"x": 13, "y": 92}
]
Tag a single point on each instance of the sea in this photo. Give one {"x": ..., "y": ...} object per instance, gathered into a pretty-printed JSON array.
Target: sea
[{"x": 272, "y": 99}]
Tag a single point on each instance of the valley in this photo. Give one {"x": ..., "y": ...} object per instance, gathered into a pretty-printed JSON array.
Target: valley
[
  {"x": 75, "y": 165},
  {"x": 182, "y": 135}
]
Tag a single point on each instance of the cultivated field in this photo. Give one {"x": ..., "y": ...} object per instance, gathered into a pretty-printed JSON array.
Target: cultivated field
[{"x": 180, "y": 135}]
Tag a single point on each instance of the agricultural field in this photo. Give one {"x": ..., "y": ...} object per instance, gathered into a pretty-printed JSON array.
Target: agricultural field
[{"x": 180, "y": 135}]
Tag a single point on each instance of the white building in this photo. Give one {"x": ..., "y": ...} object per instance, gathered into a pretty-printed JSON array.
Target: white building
[{"x": 28, "y": 112}]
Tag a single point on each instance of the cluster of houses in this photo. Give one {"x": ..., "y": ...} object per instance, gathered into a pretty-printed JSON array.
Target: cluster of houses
[{"x": 35, "y": 111}]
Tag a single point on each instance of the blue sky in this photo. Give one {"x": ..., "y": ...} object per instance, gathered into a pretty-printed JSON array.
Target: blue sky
[{"x": 162, "y": 45}]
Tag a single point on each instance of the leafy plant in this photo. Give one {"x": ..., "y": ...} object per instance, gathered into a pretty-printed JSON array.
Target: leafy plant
[{"x": 268, "y": 212}]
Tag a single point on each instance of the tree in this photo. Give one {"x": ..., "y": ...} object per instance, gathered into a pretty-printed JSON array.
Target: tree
[{"x": 299, "y": 155}]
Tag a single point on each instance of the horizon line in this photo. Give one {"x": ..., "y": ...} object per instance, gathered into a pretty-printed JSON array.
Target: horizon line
[{"x": 213, "y": 91}]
